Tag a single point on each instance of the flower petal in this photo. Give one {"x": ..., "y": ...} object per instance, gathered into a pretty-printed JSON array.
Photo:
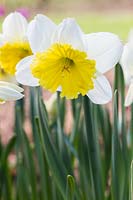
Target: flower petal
[
  {"x": 105, "y": 48},
  {"x": 59, "y": 89},
  {"x": 23, "y": 74},
  {"x": 68, "y": 32},
  {"x": 14, "y": 27},
  {"x": 8, "y": 92},
  {"x": 102, "y": 92},
  {"x": 127, "y": 59},
  {"x": 11, "y": 85},
  {"x": 39, "y": 33},
  {"x": 129, "y": 97}
]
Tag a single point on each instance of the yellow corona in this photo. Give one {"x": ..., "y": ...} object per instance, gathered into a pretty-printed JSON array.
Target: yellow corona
[
  {"x": 11, "y": 54},
  {"x": 62, "y": 65}
]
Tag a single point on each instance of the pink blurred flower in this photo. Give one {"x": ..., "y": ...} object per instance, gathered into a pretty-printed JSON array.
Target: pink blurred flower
[
  {"x": 2, "y": 10},
  {"x": 24, "y": 11}
]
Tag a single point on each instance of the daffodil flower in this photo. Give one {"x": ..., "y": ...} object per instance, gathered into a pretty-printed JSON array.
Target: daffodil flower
[
  {"x": 10, "y": 92},
  {"x": 68, "y": 60},
  {"x": 13, "y": 42},
  {"x": 127, "y": 65}
]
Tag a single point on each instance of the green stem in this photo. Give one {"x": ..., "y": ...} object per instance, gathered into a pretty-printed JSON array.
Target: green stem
[{"x": 93, "y": 149}]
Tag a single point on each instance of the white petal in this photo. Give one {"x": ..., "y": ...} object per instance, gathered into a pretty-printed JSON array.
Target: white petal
[
  {"x": 129, "y": 97},
  {"x": 8, "y": 93},
  {"x": 59, "y": 89},
  {"x": 102, "y": 92},
  {"x": 39, "y": 33},
  {"x": 127, "y": 59},
  {"x": 23, "y": 74},
  {"x": 14, "y": 27},
  {"x": 11, "y": 85},
  {"x": 105, "y": 48},
  {"x": 68, "y": 32}
]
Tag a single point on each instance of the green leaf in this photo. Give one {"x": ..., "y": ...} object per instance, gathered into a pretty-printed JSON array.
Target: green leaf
[
  {"x": 131, "y": 182},
  {"x": 92, "y": 137},
  {"x": 7, "y": 150},
  {"x": 120, "y": 86},
  {"x": 76, "y": 106},
  {"x": 23, "y": 148},
  {"x": 70, "y": 189},
  {"x": 54, "y": 161},
  {"x": 45, "y": 179},
  {"x": 5, "y": 174},
  {"x": 118, "y": 170}
]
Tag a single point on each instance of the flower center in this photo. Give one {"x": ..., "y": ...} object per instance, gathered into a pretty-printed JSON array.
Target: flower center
[
  {"x": 3, "y": 74},
  {"x": 11, "y": 54},
  {"x": 66, "y": 64},
  {"x": 61, "y": 65}
]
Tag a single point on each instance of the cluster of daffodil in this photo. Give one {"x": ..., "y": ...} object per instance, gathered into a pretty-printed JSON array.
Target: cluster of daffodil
[{"x": 62, "y": 57}]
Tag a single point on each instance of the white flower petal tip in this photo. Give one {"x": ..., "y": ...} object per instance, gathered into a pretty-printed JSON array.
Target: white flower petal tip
[
  {"x": 39, "y": 33},
  {"x": 23, "y": 74},
  {"x": 4, "y": 83},
  {"x": 10, "y": 91},
  {"x": 44, "y": 18},
  {"x": 102, "y": 92},
  {"x": 129, "y": 97},
  {"x": 59, "y": 89},
  {"x": 69, "y": 32},
  {"x": 14, "y": 27},
  {"x": 106, "y": 48}
]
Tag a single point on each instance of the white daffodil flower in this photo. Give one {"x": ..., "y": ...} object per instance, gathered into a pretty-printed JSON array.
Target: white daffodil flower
[
  {"x": 68, "y": 60},
  {"x": 14, "y": 44},
  {"x": 10, "y": 92},
  {"x": 127, "y": 65}
]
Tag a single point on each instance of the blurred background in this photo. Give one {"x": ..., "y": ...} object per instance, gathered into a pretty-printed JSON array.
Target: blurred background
[
  {"x": 93, "y": 16},
  {"x": 74, "y": 5}
]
